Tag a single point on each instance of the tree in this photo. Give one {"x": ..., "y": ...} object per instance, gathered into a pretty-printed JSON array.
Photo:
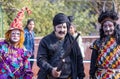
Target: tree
[{"x": 85, "y": 11}]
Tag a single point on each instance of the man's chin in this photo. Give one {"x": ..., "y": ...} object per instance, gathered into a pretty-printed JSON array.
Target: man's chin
[
  {"x": 61, "y": 38},
  {"x": 109, "y": 34}
]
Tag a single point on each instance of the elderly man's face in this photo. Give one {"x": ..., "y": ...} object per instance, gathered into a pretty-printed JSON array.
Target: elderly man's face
[
  {"x": 108, "y": 28},
  {"x": 61, "y": 30}
]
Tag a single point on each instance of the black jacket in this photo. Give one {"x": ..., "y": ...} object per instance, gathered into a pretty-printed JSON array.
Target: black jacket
[{"x": 45, "y": 53}]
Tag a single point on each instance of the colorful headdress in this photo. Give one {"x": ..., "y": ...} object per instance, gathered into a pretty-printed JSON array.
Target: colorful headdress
[
  {"x": 17, "y": 22},
  {"x": 110, "y": 15}
]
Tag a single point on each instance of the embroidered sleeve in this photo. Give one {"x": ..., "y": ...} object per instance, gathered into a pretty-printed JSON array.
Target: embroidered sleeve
[
  {"x": 26, "y": 54},
  {"x": 27, "y": 68}
]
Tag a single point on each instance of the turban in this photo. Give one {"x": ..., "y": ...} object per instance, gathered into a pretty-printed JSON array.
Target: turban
[{"x": 61, "y": 18}]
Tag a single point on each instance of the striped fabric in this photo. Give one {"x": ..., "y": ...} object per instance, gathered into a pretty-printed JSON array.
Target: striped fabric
[{"x": 108, "y": 61}]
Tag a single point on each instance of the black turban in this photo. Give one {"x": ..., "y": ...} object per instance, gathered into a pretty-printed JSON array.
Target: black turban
[
  {"x": 61, "y": 18},
  {"x": 71, "y": 18}
]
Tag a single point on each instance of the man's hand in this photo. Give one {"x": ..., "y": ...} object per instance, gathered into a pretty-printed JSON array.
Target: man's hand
[{"x": 55, "y": 73}]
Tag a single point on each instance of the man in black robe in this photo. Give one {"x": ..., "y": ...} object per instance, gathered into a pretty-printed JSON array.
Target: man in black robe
[{"x": 53, "y": 46}]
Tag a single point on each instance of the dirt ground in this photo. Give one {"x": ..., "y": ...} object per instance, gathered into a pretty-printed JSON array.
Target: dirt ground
[{"x": 35, "y": 70}]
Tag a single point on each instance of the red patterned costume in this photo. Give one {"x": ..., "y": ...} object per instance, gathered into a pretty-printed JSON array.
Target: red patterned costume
[{"x": 105, "y": 59}]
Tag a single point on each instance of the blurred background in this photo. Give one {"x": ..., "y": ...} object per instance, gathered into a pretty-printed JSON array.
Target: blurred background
[{"x": 85, "y": 12}]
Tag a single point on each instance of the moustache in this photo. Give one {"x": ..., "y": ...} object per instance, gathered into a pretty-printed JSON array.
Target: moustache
[{"x": 61, "y": 32}]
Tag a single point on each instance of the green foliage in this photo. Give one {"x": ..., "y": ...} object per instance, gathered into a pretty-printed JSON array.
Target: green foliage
[
  {"x": 43, "y": 12},
  {"x": 83, "y": 16},
  {"x": 44, "y": 16},
  {"x": 9, "y": 11}
]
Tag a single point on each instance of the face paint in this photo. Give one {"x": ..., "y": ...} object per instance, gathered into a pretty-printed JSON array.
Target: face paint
[
  {"x": 61, "y": 30},
  {"x": 108, "y": 28},
  {"x": 15, "y": 35}
]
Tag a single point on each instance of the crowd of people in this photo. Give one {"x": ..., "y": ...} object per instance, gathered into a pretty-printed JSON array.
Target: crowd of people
[{"x": 60, "y": 53}]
